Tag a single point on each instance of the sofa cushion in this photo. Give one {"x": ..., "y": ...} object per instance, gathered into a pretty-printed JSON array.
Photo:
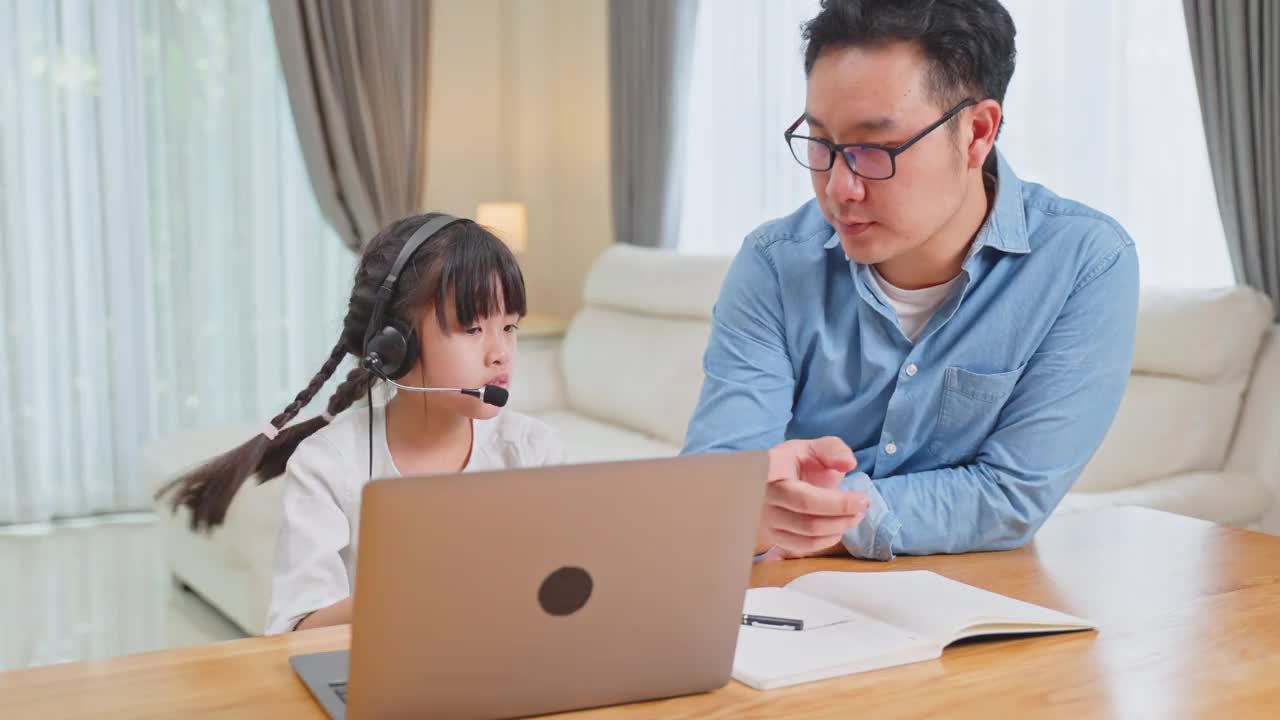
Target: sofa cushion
[
  {"x": 1193, "y": 359},
  {"x": 587, "y": 440},
  {"x": 656, "y": 282},
  {"x": 639, "y": 372},
  {"x": 1202, "y": 335},
  {"x": 633, "y": 355},
  {"x": 1165, "y": 426}
]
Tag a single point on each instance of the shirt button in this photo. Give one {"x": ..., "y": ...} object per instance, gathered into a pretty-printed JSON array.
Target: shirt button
[
  {"x": 912, "y": 370},
  {"x": 891, "y": 448}
]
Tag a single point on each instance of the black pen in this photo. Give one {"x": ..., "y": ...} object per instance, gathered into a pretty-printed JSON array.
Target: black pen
[{"x": 776, "y": 622}]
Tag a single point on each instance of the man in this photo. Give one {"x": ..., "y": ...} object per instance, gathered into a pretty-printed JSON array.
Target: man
[{"x": 968, "y": 334}]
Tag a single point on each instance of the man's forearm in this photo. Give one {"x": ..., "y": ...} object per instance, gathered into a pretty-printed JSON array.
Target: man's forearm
[{"x": 933, "y": 512}]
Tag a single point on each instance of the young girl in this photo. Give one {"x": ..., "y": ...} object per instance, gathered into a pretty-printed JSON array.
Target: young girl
[{"x": 458, "y": 299}]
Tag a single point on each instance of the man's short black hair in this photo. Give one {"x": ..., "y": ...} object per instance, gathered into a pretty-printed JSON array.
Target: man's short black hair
[{"x": 967, "y": 43}]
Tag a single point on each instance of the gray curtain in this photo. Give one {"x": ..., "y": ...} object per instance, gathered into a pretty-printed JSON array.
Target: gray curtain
[
  {"x": 1235, "y": 48},
  {"x": 357, "y": 78},
  {"x": 650, "y": 48}
]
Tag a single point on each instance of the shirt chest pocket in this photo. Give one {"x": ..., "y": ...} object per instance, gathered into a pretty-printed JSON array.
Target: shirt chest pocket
[{"x": 971, "y": 404}]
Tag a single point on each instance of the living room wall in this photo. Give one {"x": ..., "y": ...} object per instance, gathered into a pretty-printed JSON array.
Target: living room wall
[{"x": 519, "y": 110}]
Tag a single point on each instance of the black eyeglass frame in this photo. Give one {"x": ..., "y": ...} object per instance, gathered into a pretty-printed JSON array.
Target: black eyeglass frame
[{"x": 893, "y": 150}]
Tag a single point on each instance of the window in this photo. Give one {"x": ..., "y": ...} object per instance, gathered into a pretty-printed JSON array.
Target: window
[{"x": 163, "y": 263}]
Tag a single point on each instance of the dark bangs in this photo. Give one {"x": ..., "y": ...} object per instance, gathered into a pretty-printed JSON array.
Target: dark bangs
[{"x": 478, "y": 268}]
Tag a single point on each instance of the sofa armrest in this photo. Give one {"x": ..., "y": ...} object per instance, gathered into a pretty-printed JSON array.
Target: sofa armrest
[
  {"x": 538, "y": 382},
  {"x": 1255, "y": 449}
]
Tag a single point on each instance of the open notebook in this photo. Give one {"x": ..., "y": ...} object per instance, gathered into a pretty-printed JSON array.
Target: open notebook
[{"x": 855, "y": 622}]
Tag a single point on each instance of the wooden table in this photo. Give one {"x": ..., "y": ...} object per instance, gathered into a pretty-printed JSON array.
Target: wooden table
[{"x": 1189, "y": 615}]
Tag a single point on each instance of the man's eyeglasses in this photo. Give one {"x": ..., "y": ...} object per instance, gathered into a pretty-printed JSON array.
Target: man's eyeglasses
[{"x": 867, "y": 160}]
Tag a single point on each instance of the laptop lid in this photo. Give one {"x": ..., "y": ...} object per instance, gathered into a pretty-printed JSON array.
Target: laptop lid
[{"x": 521, "y": 592}]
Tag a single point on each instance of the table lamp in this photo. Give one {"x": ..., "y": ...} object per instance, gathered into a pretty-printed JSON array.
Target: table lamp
[{"x": 508, "y": 221}]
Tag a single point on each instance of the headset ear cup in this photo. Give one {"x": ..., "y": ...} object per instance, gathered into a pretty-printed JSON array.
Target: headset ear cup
[
  {"x": 412, "y": 347},
  {"x": 397, "y": 347},
  {"x": 391, "y": 348}
]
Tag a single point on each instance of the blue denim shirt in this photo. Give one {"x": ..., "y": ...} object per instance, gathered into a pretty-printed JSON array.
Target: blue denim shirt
[{"x": 967, "y": 439}]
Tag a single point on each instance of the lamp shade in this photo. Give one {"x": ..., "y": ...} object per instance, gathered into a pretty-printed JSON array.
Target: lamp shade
[{"x": 508, "y": 221}]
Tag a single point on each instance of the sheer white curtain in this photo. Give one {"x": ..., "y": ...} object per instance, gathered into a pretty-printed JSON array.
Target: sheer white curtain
[
  {"x": 164, "y": 264},
  {"x": 1102, "y": 109},
  {"x": 747, "y": 87}
]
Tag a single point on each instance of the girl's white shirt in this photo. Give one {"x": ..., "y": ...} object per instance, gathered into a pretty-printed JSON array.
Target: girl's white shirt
[{"x": 315, "y": 554}]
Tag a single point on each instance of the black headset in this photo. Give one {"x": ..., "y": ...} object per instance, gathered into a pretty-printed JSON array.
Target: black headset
[{"x": 391, "y": 347}]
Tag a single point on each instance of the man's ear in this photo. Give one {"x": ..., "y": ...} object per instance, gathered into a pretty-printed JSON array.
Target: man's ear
[{"x": 984, "y": 123}]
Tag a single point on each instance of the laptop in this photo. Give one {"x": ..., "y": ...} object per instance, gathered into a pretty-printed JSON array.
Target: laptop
[{"x": 523, "y": 592}]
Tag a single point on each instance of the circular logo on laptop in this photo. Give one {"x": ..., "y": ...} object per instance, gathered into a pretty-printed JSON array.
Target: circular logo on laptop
[{"x": 565, "y": 591}]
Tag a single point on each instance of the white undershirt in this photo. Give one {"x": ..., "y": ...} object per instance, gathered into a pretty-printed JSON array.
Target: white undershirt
[{"x": 914, "y": 307}]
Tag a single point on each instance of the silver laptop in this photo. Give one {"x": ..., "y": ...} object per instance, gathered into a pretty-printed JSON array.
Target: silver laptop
[{"x": 522, "y": 592}]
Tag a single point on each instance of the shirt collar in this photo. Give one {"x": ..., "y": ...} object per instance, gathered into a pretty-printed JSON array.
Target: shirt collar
[{"x": 1006, "y": 226}]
